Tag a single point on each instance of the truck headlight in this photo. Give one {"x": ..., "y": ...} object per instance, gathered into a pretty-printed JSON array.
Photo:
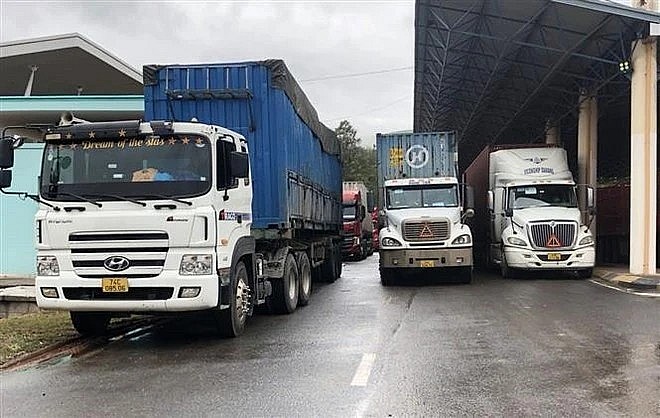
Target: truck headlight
[
  {"x": 47, "y": 266},
  {"x": 390, "y": 242},
  {"x": 195, "y": 264},
  {"x": 516, "y": 241},
  {"x": 462, "y": 239},
  {"x": 588, "y": 240}
]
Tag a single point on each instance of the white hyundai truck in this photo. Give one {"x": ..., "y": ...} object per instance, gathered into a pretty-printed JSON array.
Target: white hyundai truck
[{"x": 162, "y": 216}]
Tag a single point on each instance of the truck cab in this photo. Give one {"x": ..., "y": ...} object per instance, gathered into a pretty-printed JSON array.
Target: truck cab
[
  {"x": 424, "y": 227},
  {"x": 358, "y": 227},
  {"x": 540, "y": 227}
]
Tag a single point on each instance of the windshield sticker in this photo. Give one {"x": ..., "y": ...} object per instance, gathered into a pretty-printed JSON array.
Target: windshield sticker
[
  {"x": 132, "y": 143},
  {"x": 530, "y": 190}
]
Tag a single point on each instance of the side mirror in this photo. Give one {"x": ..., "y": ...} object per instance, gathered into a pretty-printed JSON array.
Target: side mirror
[
  {"x": 491, "y": 200},
  {"x": 6, "y": 153},
  {"x": 363, "y": 212},
  {"x": 508, "y": 212},
  {"x": 239, "y": 165},
  {"x": 5, "y": 179},
  {"x": 590, "y": 198},
  {"x": 469, "y": 197}
]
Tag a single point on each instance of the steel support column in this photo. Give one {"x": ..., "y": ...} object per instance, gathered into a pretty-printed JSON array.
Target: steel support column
[
  {"x": 552, "y": 133},
  {"x": 587, "y": 145},
  {"x": 643, "y": 157}
]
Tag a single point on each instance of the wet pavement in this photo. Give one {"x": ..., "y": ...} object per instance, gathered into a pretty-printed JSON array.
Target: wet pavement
[{"x": 543, "y": 346}]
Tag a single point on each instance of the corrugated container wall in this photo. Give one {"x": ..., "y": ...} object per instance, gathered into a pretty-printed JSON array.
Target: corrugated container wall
[
  {"x": 415, "y": 155},
  {"x": 296, "y": 178}
]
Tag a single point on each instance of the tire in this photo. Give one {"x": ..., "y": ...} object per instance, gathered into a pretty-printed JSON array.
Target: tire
[
  {"x": 330, "y": 266},
  {"x": 505, "y": 269},
  {"x": 304, "y": 279},
  {"x": 585, "y": 274},
  {"x": 387, "y": 277},
  {"x": 466, "y": 275},
  {"x": 231, "y": 322},
  {"x": 285, "y": 290},
  {"x": 90, "y": 323}
]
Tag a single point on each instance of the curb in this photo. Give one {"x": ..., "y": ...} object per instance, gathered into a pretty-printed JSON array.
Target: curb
[{"x": 629, "y": 281}]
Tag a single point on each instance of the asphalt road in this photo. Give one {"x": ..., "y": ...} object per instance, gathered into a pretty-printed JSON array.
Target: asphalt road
[{"x": 544, "y": 346}]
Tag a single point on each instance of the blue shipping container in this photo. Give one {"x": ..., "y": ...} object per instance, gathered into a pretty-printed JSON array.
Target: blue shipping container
[
  {"x": 415, "y": 155},
  {"x": 296, "y": 172}
]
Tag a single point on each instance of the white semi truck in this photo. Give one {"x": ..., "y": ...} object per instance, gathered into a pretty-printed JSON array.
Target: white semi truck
[
  {"x": 161, "y": 216},
  {"x": 422, "y": 213},
  {"x": 527, "y": 215}
]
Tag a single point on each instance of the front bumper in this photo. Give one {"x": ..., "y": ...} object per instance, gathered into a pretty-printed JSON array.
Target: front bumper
[
  {"x": 579, "y": 259},
  {"x": 144, "y": 295},
  {"x": 416, "y": 258}
]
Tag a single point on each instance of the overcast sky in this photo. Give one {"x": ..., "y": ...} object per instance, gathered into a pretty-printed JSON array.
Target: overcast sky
[{"x": 315, "y": 39}]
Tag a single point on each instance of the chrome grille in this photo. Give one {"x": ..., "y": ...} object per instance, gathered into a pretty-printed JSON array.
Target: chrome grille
[
  {"x": 145, "y": 251},
  {"x": 416, "y": 231},
  {"x": 553, "y": 235}
]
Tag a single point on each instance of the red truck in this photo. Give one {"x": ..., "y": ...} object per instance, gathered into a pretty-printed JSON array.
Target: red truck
[
  {"x": 357, "y": 243},
  {"x": 614, "y": 222}
]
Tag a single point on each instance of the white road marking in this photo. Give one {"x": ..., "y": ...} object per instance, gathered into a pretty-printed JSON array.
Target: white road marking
[
  {"x": 363, "y": 371},
  {"x": 651, "y": 295}
]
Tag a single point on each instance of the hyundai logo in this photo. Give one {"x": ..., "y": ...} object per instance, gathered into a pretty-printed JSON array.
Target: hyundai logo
[{"x": 116, "y": 263}]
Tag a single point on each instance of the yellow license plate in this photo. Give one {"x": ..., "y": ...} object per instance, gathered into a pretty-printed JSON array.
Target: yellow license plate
[
  {"x": 114, "y": 285},
  {"x": 554, "y": 257},
  {"x": 427, "y": 263}
]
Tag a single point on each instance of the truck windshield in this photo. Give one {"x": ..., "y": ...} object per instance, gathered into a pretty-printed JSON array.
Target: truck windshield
[
  {"x": 422, "y": 196},
  {"x": 142, "y": 167},
  {"x": 522, "y": 197},
  {"x": 349, "y": 213}
]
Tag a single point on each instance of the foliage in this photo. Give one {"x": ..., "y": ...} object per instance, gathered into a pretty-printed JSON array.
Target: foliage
[{"x": 359, "y": 163}]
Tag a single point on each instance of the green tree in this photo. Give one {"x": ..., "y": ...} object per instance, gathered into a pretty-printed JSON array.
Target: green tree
[{"x": 359, "y": 163}]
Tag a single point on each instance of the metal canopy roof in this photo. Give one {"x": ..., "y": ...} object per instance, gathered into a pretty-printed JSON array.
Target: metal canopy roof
[
  {"x": 497, "y": 70},
  {"x": 64, "y": 63}
]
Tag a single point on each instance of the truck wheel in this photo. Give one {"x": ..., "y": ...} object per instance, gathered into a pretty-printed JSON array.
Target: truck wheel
[
  {"x": 585, "y": 274},
  {"x": 387, "y": 277},
  {"x": 330, "y": 266},
  {"x": 305, "y": 279},
  {"x": 466, "y": 275},
  {"x": 340, "y": 262},
  {"x": 231, "y": 322},
  {"x": 90, "y": 323},
  {"x": 505, "y": 269},
  {"x": 285, "y": 290}
]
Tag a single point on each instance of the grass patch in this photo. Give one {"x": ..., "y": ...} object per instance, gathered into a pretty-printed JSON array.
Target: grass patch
[{"x": 27, "y": 333}]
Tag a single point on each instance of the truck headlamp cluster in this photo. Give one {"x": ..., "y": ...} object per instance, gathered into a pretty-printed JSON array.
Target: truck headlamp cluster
[
  {"x": 462, "y": 240},
  {"x": 195, "y": 264},
  {"x": 588, "y": 240},
  {"x": 390, "y": 242},
  {"x": 516, "y": 241},
  {"x": 47, "y": 266}
]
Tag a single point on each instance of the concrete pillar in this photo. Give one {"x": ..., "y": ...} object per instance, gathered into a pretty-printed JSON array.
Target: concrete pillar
[
  {"x": 587, "y": 145},
  {"x": 643, "y": 157},
  {"x": 552, "y": 133}
]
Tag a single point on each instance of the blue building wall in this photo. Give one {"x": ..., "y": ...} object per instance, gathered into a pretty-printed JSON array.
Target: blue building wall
[{"x": 17, "y": 232}]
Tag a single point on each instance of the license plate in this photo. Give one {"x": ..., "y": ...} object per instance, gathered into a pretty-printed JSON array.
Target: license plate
[
  {"x": 427, "y": 263},
  {"x": 554, "y": 257},
  {"x": 114, "y": 285}
]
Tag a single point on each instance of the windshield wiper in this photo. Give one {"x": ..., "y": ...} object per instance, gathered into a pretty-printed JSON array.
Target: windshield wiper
[
  {"x": 114, "y": 196},
  {"x": 84, "y": 199},
  {"x": 172, "y": 198}
]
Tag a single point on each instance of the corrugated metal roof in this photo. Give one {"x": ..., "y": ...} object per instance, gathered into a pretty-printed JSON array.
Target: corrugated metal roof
[{"x": 498, "y": 70}]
